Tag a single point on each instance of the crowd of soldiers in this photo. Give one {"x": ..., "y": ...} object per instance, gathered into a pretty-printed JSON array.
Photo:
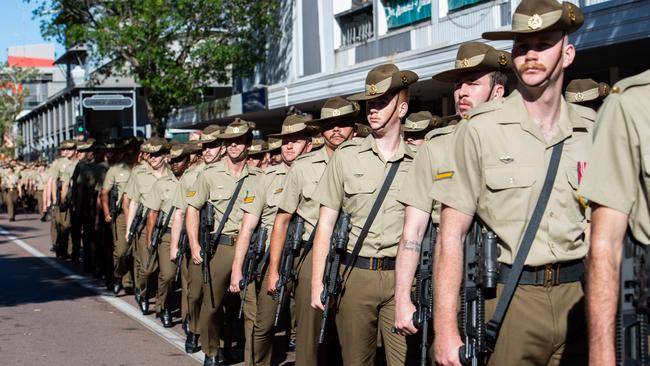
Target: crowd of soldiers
[
  {"x": 22, "y": 185},
  {"x": 331, "y": 213}
]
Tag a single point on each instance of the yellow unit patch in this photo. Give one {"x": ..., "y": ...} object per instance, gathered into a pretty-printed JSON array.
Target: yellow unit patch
[
  {"x": 444, "y": 175},
  {"x": 249, "y": 199},
  {"x": 279, "y": 190},
  {"x": 191, "y": 193}
]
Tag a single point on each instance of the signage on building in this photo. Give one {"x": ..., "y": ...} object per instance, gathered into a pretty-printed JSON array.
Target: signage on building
[
  {"x": 107, "y": 102},
  {"x": 254, "y": 100},
  {"x": 458, "y": 4},
  {"x": 404, "y": 12}
]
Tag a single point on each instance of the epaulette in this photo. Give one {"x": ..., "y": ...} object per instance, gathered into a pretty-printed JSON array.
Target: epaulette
[
  {"x": 440, "y": 131},
  {"x": 307, "y": 155},
  {"x": 627, "y": 83},
  {"x": 490, "y": 106},
  {"x": 270, "y": 170},
  {"x": 255, "y": 170},
  {"x": 350, "y": 143},
  {"x": 584, "y": 112}
]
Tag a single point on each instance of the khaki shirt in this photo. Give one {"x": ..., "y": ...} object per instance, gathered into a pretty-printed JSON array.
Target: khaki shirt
[
  {"x": 41, "y": 180},
  {"x": 500, "y": 162},
  {"x": 216, "y": 184},
  {"x": 430, "y": 160},
  {"x": 618, "y": 171},
  {"x": 163, "y": 192},
  {"x": 53, "y": 169},
  {"x": 10, "y": 181},
  {"x": 352, "y": 181},
  {"x": 67, "y": 169},
  {"x": 267, "y": 195},
  {"x": 141, "y": 187},
  {"x": 300, "y": 184},
  {"x": 117, "y": 174},
  {"x": 186, "y": 184}
]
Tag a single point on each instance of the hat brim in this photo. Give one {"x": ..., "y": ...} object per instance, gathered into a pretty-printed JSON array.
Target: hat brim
[
  {"x": 411, "y": 130},
  {"x": 510, "y": 35},
  {"x": 451, "y": 76},
  {"x": 226, "y": 136},
  {"x": 341, "y": 117},
  {"x": 396, "y": 83},
  {"x": 306, "y": 129}
]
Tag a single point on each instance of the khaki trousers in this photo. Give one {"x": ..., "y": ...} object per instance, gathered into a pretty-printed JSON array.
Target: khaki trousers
[
  {"x": 165, "y": 274},
  {"x": 141, "y": 257},
  {"x": 366, "y": 305},
  {"x": 11, "y": 197},
  {"x": 184, "y": 284},
  {"x": 250, "y": 310},
  {"x": 121, "y": 265},
  {"x": 194, "y": 294},
  {"x": 543, "y": 326},
  {"x": 263, "y": 328},
  {"x": 212, "y": 316},
  {"x": 307, "y": 319}
]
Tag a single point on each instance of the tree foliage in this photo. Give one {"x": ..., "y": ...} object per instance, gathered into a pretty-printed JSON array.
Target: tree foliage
[
  {"x": 173, "y": 48},
  {"x": 12, "y": 99}
]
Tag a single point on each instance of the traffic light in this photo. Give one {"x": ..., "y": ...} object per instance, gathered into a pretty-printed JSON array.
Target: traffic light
[{"x": 81, "y": 126}]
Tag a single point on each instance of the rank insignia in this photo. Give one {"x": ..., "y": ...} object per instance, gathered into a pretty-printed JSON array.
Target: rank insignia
[
  {"x": 444, "y": 175},
  {"x": 279, "y": 190},
  {"x": 249, "y": 199},
  {"x": 191, "y": 193}
]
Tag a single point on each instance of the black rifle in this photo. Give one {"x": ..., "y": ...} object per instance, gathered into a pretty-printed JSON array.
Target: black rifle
[
  {"x": 254, "y": 257},
  {"x": 182, "y": 247},
  {"x": 206, "y": 224},
  {"x": 423, "y": 295},
  {"x": 57, "y": 195},
  {"x": 114, "y": 203},
  {"x": 159, "y": 229},
  {"x": 331, "y": 277},
  {"x": 633, "y": 305},
  {"x": 292, "y": 246},
  {"x": 136, "y": 226},
  {"x": 479, "y": 282}
]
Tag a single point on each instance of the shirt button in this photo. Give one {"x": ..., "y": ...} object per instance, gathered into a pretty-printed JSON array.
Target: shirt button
[
  {"x": 511, "y": 180},
  {"x": 551, "y": 214}
]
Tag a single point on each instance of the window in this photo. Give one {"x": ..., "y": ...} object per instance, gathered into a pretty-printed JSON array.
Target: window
[{"x": 356, "y": 24}]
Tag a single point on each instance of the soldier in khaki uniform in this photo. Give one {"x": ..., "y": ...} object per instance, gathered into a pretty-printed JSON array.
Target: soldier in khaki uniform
[
  {"x": 416, "y": 127},
  {"x": 61, "y": 186},
  {"x": 216, "y": 186},
  {"x": 275, "y": 157},
  {"x": 501, "y": 157},
  {"x": 40, "y": 182},
  {"x": 11, "y": 184},
  {"x": 337, "y": 126},
  {"x": 259, "y": 309},
  {"x": 356, "y": 172},
  {"x": 258, "y": 154},
  {"x": 117, "y": 177},
  {"x": 475, "y": 83},
  {"x": 617, "y": 184},
  {"x": 160, "y": 203},
  {"x": 82, "y": 204},
  {"x": 211, "y": 153},
  {"x": 139, "y": 188},
  {"x": 586, "y": 92}
]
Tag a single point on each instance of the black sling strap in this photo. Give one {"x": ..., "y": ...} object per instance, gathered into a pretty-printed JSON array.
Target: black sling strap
[
  {"x": 492, "y": 326},
  {"x": 226, "y": 214},
  {"x": 349, "y": 262}
]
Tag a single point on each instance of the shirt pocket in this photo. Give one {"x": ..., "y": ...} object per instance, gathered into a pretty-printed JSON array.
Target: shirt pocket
[
  {"x": 508, "y": 192},
  {"x": 358, "y": 195},
  {"x": 308, "y": 189}
]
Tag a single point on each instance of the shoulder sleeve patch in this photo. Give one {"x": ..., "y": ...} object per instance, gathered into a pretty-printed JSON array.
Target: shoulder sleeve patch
[
  {"x": 191, "y": 193},
  {"x": 444, "y": 175}
]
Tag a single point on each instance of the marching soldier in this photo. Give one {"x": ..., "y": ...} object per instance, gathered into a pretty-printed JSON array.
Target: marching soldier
[
  {"x": 83, "y": 204},
  {"x": 259, "y": 309},
  {"x": 51, "y": 192},
  {"x": 352, "y": 183},
  {"x": 225, "y": 185},
  {"x": 139, "y": 188},
  {"x": 40, "y": 182},
  {"x": 503, "y": 155},
  {"x": 11, "y": 184},
  {"x": 416, "y": 127},
  {"x": 160, "y": 203},
  {"x": 586, "y": 92},
  {"x": 337, "y": 126},
  {"x": 475, "y": 83},
  {"x": 258, "y": 154},
  {"x": 61, "y": 197},
  {"x": 616, "y": 182},
  {"x": 210, "y": 149},
  {"x": 275, "y": 156}
]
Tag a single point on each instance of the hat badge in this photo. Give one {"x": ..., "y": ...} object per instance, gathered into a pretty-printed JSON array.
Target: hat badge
[
  {"x": 289, "y": 128},
  {"x": 336, "y": 113},
  {"x": 503, "y": 61},
  {"x": 464, "y": 63},
  {"x": 572, "y": 14},
  {"x": 579, "y": 97},
  {"x": 405, "y": 79},
  {"x": 535, "y": 22},
  {"x": 235, "y": 129},
  {"x": 372, "y": 89},
  {"x": 412, "y": 124}
]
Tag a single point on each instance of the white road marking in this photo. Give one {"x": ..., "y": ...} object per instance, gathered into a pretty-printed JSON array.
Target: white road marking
[{"x": 129, "y": 310}]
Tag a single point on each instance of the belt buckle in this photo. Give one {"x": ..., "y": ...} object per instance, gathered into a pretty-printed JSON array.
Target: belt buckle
[
  {"x": 548, "y": 275},
  {"x": 380, "y": 264},
  {"x": 233, "y": 239}
]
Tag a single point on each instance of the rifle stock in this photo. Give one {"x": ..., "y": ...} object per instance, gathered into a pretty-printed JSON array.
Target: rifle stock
[
  {"x": 135, "y": 227},
  {"x": 423, "y": 296},
  {"x": 251, "y": 263},
  {"x": 331, "y": 276},
  {"x": 162, "y": 223},
  {"x": 182, "y": 247}
]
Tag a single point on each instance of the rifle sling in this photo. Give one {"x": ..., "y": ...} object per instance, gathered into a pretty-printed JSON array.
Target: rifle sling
[
  {"x": 308, "y": 245},
  {"x": 350, "y": 260},
  {"x": 492, "y": 326},
  {"x": 215, "y": 239}
]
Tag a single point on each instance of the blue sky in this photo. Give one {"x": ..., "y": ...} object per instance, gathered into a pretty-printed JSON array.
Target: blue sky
[{"x": 17, "y": 26}]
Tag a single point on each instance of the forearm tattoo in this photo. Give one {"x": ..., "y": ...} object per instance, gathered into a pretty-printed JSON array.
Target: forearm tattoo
[{"x": 412, "y": 245}]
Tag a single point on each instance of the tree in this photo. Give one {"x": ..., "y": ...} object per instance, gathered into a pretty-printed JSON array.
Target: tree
[
  {"x": 173, "y": 48},
  {"x": 12, "y": 100}
]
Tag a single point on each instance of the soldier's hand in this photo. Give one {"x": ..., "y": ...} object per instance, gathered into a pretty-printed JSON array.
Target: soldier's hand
[
  {"x": 404, "y": 319},
  {"x": 235, "y": 277},
  {"x": 315, "y": 297},
  {"x": 108, "y": 219},
  {"x": 173, "y": 252},
  {"x": 446, "y": 350},
  {"x": 196, "y": 254},
  {"x": 273, "y": 280}
]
